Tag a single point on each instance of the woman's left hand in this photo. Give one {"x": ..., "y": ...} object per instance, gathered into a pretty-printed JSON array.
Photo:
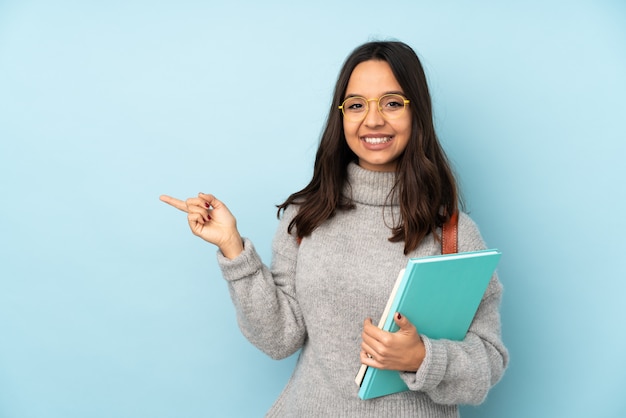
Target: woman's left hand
[{"x": 402, "y": 350}]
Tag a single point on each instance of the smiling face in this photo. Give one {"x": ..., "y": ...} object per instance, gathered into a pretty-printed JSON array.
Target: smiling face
[{"x": 377, "y": 142}]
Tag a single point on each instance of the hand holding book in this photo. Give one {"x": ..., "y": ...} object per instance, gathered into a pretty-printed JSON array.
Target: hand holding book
[
  {"x": 440, "y": 295},
  {"x": 400, "y": 350}
]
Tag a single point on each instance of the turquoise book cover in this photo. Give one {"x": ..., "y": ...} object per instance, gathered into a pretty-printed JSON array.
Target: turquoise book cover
[{"x": 440, "y": 296}]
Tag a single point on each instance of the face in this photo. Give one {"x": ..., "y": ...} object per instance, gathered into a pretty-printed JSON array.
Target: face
[{"x": 376, "y": 141}]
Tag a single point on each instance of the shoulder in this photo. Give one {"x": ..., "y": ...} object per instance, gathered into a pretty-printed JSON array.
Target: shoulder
[
  {"x": 287, "y": 215},
  {"x": 470, "y": 238},
  {"x": 283, "y": 237}
]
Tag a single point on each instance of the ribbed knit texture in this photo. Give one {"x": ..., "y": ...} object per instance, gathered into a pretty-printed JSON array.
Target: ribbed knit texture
[{"x": 316, "y": 296}]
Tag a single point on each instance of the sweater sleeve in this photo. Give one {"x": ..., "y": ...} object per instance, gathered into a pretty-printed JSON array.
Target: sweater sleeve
[
  {"x": 462, "y": 372},
  {"x": 265, "y": 298}
]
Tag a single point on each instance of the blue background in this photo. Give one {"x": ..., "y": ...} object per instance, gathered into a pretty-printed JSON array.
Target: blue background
[{"x": 109, "y": 307}]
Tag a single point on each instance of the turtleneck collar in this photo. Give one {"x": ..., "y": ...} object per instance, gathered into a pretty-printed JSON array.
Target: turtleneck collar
[{"x": 369, "y": 187}]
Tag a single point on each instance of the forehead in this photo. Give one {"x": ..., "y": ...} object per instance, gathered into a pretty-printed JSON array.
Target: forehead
[{"x": 371, "y": 79}]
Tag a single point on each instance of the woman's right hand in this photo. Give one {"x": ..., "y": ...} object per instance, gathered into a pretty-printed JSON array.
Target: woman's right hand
[{"x": 210, "y": 220}]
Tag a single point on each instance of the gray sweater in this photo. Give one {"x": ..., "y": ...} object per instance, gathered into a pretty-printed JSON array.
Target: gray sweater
[{"x": 317, "y": 293}]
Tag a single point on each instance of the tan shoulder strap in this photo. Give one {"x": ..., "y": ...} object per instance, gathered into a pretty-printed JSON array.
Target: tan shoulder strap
[{"x": 449, "y": 235}]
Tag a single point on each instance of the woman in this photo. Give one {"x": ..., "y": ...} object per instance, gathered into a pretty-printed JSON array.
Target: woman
[{"x": 380, "y": 192}]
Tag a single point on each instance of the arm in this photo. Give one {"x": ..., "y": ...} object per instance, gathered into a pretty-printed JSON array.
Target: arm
[{"x": 267, "y": 311}]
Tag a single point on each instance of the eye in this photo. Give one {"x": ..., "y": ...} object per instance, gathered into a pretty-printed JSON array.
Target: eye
[
  {"x": 355, "y": 104},
  {"x": 392, "y": 102}
]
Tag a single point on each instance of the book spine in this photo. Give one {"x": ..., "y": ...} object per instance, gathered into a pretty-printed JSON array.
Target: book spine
[{"x": 390, "y": 324}]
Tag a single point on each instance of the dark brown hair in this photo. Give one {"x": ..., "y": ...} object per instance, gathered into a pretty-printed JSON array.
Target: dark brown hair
[{"x": 425, "y": 185}]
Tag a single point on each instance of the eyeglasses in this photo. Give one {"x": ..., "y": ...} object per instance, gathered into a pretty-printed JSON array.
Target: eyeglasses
[{"x": 390, "y": 106}]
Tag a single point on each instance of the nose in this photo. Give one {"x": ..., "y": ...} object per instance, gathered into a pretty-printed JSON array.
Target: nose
[{"x": 373, "y": 117}]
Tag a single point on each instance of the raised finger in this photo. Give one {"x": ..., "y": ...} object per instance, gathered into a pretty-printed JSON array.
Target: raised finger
[{"x": 177, "y": 203}]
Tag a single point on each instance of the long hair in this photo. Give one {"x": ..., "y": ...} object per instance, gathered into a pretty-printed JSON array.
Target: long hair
[{"x": 425, "y": 186}]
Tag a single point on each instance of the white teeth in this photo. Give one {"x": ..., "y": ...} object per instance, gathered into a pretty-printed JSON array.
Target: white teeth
[{"x": 377, "y": 140}]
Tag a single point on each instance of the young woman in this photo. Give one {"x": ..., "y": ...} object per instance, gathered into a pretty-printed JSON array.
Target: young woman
[{"x": 381, "y": 190}]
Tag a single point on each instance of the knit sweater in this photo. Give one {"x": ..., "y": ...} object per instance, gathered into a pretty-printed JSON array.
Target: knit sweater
[{"x": 317, "y": 293}]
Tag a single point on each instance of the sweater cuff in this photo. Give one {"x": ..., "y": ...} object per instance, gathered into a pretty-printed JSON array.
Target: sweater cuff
[
  {"x": 242, "y": 266},
  {"x": 432, "y": 370}
]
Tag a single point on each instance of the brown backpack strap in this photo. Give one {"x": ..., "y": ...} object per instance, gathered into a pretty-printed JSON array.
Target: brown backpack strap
[{"x": 449, "y": 235}]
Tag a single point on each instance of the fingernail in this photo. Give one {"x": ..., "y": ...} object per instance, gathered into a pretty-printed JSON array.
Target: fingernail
[
  {"x": 399, "y": 315},
  {"x": 206, "y": 204}
]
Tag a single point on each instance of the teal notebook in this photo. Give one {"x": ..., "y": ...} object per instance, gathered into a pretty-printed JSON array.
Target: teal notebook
[{"x": 439, "y": 295}]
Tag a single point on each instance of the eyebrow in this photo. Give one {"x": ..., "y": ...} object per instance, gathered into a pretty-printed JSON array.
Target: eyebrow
[{"x": 348, "y": 96}]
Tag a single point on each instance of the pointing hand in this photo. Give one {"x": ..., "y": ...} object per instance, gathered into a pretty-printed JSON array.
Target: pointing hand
[{"x": 210, "y": 220}]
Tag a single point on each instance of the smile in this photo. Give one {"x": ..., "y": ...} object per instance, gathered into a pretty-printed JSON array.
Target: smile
[{"x": 377, "y": 140}]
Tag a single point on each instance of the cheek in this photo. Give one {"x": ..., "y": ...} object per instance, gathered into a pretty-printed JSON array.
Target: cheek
[
  {"x": 405, "y": 129},
  {"x": 350, "y": 131}
]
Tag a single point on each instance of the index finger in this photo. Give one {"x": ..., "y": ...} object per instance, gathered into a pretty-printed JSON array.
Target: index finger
[
  {"x": 372, "y": 330},
  {"x": 178, "y": 204}
]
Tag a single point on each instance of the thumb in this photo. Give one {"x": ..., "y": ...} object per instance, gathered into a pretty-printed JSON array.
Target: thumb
[{"x": 402, "y": 321}]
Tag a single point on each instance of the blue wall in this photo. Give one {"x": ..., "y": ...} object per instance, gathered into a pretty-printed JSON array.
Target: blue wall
[{"x": 109, "y": 307}]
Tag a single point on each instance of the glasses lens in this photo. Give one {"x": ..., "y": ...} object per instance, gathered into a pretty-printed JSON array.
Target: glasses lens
[
  {"x": 355, "y": 108},
  {"x": 392, "y": 105}
]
